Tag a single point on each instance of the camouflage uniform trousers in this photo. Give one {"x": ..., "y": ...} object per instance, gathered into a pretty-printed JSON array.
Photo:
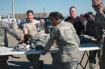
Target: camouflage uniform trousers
[
  {"x": 92, "y": 58},
  {"x": 102, "y": 58},
  {"x": 54, "y": 56},
  {"x": 69, "y": 65},
  {"x": 34, "y": 58},
  {"x": 3, "y": 62},
  {"x": 66, "y": 65},
  {"x": 54, "y": 59}
]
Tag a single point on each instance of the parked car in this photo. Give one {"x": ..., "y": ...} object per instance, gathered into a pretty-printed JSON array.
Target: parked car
[
  {"x": 23, "y": 21},
  {"x": 47, "y": 25},
  {"x": 18, "y": 21},
  {"x": 47, "y": 21},
  {"x": 37, "y": 18}
]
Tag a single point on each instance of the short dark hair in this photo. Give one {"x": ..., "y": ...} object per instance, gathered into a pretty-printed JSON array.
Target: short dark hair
[
  {"x": 51, "y": 14},
  {"x": 88, "y": 14},
  {"x": 29, "y": 11},
  {"x": 56, "y": 15},
  {"x": 72, "y": 7}
]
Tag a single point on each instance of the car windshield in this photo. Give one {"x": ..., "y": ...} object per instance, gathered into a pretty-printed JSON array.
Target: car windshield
[{"x": 47, "y": 19}]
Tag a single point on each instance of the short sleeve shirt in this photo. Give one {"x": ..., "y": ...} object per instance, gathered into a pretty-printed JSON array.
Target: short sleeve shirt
[
  {"x": 32, "y": 27},
  {"x": 78, "y": 25}
]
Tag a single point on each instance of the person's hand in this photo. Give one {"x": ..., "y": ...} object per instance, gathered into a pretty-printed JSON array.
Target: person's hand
[
  {"x": 42, "y": 21},
  {"x": 21, "y": 38},
  {"x": 42, "y": 53},
  {"x": 94, "y": 39},
  {"x": 56, "y": 42}
]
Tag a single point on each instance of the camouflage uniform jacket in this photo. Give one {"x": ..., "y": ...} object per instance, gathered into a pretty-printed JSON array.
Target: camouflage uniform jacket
[
  {"x": 68, "y": 42},
  {"x": 99, "y": 24},
  {"x": 39, "y": 39},
  {"x": 4, "y": 29}
]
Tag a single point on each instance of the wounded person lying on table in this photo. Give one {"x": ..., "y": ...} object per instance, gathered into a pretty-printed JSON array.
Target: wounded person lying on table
[{"x": 37, "y": 42}]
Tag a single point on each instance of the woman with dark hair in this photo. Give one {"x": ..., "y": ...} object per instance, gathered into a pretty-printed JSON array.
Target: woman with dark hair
[
  {"x": 68, "y": 42},
  {"x": 48, "y": 28}
]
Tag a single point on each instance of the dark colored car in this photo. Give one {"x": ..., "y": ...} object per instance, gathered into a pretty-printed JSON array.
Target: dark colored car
[
  {"x": 48, "y": 25},
  {"x": 23, "y": 21},
  {"x": 47, "y": 21},
  {"x": 37, "y": 18}
]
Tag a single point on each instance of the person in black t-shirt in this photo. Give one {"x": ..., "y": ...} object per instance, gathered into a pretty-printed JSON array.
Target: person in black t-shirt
[{"x": 75, "y": 20}]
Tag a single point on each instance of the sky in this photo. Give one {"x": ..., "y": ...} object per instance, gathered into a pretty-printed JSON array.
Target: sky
[{"x": 38, "y": 6}]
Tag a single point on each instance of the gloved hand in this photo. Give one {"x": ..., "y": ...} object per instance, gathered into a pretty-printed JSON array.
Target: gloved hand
[{"x": 42, "y": 53}]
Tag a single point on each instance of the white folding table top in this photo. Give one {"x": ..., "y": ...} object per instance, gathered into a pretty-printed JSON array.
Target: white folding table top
[
  {"x": 89, "y": 46},
  {"x": 83, "y": 47}
]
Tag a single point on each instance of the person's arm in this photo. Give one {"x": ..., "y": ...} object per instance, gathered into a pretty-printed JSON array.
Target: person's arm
[
  {"x": 99, "y": 18},
  {"x": 10, "y": 31},
  {"x": 25, "y": 30},
  {"x": 82, "y": 26},
  {"x": 99, "y": 22},
  {"x": 49, "y": 43},
  {"x": 86, "y": 28},
  {"x": 42, "y": 21},
  {"x": 99, "y": 33},
  {"x": 87, "y": 39},
  {"x": 83, "y": 30}
]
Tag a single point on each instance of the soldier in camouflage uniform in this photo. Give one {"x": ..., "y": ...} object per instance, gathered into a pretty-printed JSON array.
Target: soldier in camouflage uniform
[
  {"x": 4, "y": 29},
  {"x": 68, "y": 43},
  {"x": 48, "y": 28},
  {"x": 100, "y": 23},
  {"x": 38, "y": 42},
  {"x": 90, "y": 30}
]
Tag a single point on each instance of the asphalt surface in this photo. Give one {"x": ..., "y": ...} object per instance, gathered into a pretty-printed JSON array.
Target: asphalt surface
[{"x": 21, "y": 62}]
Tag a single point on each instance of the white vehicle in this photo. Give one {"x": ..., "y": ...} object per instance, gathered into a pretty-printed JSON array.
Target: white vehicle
[
  {"x": 0, "y": 17},
  {"x": 8, "y": 19}
]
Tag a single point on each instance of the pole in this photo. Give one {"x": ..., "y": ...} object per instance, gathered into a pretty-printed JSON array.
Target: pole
[
  {"x": 13, "y": 9},
  {"x": 44, "y": 11},
  {"x": 28, "y": 4}
]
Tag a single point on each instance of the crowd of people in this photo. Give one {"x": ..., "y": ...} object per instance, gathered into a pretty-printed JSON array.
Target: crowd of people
[{"x": 65, "y": 34}]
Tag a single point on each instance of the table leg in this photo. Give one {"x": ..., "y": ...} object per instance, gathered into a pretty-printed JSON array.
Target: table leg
[{"x": 80, "y": 63}]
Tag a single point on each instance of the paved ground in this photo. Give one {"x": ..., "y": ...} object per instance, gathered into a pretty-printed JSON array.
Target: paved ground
[{"x": 22, "y": 63}]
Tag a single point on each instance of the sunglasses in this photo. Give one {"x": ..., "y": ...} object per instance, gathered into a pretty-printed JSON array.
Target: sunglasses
[{"x": 95, "y": 6}]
